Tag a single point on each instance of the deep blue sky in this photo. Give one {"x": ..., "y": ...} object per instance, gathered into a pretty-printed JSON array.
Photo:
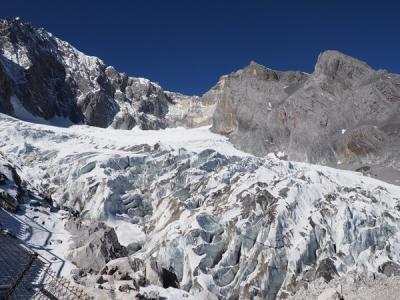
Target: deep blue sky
[{"x": 186, "y": 45}]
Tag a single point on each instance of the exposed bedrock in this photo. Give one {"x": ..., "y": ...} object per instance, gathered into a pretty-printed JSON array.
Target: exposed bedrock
[{"x": 344, "y": 114}]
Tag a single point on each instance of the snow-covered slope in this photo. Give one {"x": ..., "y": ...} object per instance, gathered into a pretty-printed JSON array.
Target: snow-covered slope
[{"x": 197, "y": 214}]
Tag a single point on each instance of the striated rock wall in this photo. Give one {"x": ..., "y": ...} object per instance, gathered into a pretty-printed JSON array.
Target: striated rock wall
[
  {"x": 190, "y": 111},
  {"x": 344, "y": 114}
]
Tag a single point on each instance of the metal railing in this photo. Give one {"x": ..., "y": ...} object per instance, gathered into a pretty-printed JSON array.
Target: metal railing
[
  {"x": 49, "y": 285},
  {"x": 61, "y": 288}
]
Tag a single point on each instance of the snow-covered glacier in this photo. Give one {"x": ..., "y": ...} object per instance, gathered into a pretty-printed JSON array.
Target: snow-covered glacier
[{"x": 202, "y": 219}]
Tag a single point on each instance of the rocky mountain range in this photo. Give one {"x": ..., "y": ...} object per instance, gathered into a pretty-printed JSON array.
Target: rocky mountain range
[
  {"x": 344, "y": 114},
  {"x": 199, "y": 197}
]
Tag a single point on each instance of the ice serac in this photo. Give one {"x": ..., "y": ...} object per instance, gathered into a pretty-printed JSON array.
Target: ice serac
[
  {"x": 344, "y": 114},
  {"x": 206, "y": 221},
  {"x": 45, "y": 78}
]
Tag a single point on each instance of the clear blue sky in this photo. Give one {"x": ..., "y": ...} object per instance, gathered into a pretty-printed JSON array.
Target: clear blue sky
[{"x": 186, "y": 45}]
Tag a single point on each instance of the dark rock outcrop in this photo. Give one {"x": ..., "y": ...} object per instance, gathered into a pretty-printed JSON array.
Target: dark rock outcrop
[
  {"x": 390, "y": 269},
  {"x": 43, "y": 78},
  {"x": 94, "y": 244},
  {"x": 12, "y": 189}
]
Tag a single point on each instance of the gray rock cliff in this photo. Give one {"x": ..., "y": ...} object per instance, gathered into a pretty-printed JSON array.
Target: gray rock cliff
[{"x": 344, "y": 114}]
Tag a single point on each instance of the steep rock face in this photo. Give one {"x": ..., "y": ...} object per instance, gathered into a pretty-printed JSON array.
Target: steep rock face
[
  {"x": 344, "y": 114},
  {"x": 42, "y": 77},
  {"x": 190, "y": 111},
  {"x": 245, "y": 100}
]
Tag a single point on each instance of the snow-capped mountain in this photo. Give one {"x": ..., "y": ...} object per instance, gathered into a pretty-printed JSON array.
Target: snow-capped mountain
[
  {"x": 196, "y": 214},
  {"x": 46, "y": 79}
]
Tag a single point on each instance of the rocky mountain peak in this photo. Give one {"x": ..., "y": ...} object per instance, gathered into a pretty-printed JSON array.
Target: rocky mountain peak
[
  {"x": 335, "y": 64},
  {"x": 15, "y": 34},
  {"x": 15, "y": 25},
  {"x": 260, "y": 72},
  {"x": 46, "y": 79},
  {"x": 343, "y": 114}
]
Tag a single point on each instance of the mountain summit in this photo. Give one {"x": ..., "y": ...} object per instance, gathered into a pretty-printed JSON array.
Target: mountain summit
[
  {"x": 49, "y": 79},
  {"x": 345, "y": 114}
]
